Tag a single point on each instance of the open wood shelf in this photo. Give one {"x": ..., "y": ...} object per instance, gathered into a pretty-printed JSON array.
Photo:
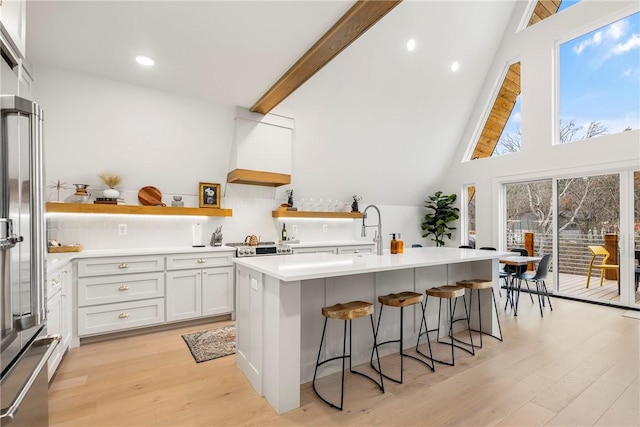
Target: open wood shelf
[
  {"x": 315, "y": 214},
  {"x": 134, "y": 210}
]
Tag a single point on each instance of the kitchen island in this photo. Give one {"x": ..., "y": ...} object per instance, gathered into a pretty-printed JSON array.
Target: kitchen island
[{"x": 279, "y": 301}]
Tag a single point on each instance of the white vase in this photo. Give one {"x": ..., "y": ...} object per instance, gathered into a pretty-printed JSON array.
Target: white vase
[{"x": 111, "y": 193}]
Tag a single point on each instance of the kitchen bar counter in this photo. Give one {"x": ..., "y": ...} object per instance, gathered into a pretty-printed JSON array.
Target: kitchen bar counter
[
  {"x": 315, "y": 266},
  {"x": 279, "y": 301}
]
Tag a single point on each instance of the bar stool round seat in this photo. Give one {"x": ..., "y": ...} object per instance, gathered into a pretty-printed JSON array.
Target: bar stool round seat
[
  {"x": 478, "y": 285},
  {"x": 450, "y": 293},
  {"x": 446, "y": 291},
  {"x": 401, "y": 300},
  {"x": 346, "y": 312}
]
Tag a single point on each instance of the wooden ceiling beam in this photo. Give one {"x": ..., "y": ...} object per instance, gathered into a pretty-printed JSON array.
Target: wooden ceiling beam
[{"x": 362, "y": 16}]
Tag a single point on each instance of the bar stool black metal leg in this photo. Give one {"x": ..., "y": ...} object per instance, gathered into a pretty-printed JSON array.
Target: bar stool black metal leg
[
  {"x": 426, "y": 332},
  {"x": 343, "y": 357},
  {"x": 495, "y": 306},
  {"x": 401, "y": 350}
]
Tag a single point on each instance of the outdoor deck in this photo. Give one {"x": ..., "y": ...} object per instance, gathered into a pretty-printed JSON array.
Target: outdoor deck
[{"x": 575, "y": 285}]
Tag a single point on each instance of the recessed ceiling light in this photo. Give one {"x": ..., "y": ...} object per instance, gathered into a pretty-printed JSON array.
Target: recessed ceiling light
[
  {"x": 455, "y": 66},
  {"x": 411, "y": 44},
  {"x": 145, "y": 60}
]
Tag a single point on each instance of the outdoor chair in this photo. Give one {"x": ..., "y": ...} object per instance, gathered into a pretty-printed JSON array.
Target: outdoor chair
[
  {"x": 539, "y": 278},
  {"x": 599, "y": 251}
]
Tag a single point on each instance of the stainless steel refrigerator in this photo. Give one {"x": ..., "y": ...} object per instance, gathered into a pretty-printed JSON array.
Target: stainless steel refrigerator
[{"x": 25, "y": 346}]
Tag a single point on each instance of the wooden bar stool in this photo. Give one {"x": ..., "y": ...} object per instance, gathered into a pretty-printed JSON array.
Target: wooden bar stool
[
  {"x": 478, "y": 285},
  {"x": 402, "y": 300},
  {"x": 347, "y": 312},
  {"x": 449, "y": 292}
]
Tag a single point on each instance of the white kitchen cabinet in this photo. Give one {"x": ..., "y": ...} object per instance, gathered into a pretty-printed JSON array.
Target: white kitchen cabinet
[
  {"x": 118, "y": 293},
  {"x": 13, "y": 25},
  {"x": 54, "y": 315},
  {"x": 66, "y": 307},
  {"x": 193, "y": 293},
  {"x": 59, "y": 314},
  {"x": 217, "y": 291}
]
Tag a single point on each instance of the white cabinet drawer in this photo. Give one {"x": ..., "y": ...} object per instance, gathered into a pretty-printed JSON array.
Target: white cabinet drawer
[
  {"x": 115, "y": 317},
  {"x": 199, "y": 260},
  {"x": 119, "y": 265},
  {"x": 356, "y": 249},
  {"x": 316, "y": 250},
  {"x": 119, "y": 288}
]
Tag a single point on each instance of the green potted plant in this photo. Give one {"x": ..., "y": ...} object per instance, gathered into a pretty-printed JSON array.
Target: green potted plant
[{"x": 441, "y": 213}]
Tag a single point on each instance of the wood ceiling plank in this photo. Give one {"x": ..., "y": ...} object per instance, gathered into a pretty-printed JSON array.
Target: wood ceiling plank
[{"x": 362, "y": 16}]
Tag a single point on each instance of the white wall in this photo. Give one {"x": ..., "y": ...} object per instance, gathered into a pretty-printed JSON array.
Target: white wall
[
  {"x": 172, "y": 142},
  {"x": 535, "y": 47}
]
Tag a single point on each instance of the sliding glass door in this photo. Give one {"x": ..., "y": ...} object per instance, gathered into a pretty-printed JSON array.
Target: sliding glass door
[
  {"x": 588, "y": 230},
  {"x": 596, "y": 250}
]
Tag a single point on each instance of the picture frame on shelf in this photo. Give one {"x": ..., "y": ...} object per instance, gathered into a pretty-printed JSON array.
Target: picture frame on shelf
[{"x": 209, "y": 195}]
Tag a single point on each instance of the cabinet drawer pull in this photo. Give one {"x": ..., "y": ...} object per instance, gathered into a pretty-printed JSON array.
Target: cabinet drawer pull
[
  {"x": 123, "y": 315},
  {"x": 204, "y": 273},
  {"x": 123, "y": 265},
  {"x": 123, "y": 288},
  {"x": 201, "y": 260}
]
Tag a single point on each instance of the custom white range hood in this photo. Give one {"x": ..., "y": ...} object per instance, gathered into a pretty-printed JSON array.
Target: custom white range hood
[{"x": 261, "y": 150}]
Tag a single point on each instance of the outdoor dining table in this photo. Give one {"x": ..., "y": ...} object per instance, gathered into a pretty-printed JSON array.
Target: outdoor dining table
[{"x": 516, "y": 261}]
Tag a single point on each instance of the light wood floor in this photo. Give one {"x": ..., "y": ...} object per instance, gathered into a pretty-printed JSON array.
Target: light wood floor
[{"x": 577, "y": 366}]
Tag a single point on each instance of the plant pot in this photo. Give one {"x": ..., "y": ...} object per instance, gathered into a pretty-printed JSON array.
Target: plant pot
[
  {"x": 111, "y": 193},
  {"x": 354, "y": 207}
]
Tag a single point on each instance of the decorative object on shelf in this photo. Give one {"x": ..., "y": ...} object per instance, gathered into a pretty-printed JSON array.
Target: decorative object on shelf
[
  {"x": 150, "y": 196},
  {"x": 105, "y": 201},
  {"x": 442, "y": 212},
  {"x": 354, "y": 204},
  {"x": 53, "y": 246},
  {"x": 216, "y": 237},
  {"x": 177, "y": 202},
  {"x": 81, "y": 195},
  {"x": 290, "y": 198},
  {"x": 111, "y": 181},
  {"x": 57, "y": 185},
  {"x": 209, "y": 195}
]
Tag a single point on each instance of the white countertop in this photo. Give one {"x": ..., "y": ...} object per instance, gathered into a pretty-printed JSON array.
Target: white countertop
[
  {"x": 56, "y": 261},
  {"x": 315, "y": 266}
]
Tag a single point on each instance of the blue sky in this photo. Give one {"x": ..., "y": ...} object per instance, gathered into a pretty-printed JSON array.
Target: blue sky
[{"x": 599, "y": 77}]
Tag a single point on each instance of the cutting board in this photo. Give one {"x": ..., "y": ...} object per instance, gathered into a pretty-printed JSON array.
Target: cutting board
[{"x": 150, "y": 196}]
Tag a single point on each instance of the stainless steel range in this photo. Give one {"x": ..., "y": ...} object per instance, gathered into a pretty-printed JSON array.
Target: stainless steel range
[{"x": 261, "y": 249}]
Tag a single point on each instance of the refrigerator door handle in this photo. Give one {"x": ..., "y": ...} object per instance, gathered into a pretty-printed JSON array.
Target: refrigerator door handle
[
  {"x": 8, "y": 239},
  {"x": 10, "y": 412}
]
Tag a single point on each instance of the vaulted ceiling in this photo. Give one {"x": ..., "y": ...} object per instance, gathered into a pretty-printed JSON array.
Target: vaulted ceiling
[{"x": 229, "y": 52}]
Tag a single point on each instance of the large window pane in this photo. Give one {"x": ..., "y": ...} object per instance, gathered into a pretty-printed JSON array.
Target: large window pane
[{"x": 600, "y": 81}]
